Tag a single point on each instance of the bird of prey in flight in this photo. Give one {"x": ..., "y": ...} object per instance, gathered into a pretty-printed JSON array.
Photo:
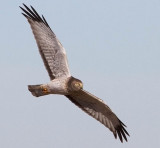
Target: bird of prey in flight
[{"x": 61, "y": 81}]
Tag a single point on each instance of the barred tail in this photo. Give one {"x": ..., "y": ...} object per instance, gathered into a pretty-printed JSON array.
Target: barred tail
[{"x": 37, "y": 90}]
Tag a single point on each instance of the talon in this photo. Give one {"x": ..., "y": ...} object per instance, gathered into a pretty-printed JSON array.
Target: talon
[{"x": 44, "y": 89}]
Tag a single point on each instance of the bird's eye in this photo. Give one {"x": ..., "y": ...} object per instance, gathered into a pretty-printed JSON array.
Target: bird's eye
[{"x": 76, "y": 84}]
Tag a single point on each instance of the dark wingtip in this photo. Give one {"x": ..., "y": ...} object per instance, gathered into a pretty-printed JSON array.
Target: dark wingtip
[
  {"x": 122, "y": 123},
  {"x": 21, "y": 8},
  {"x": 121, "y": 131},
  {"x": 23, "y": 4},
  {"x": 120, "y": 136},
  {"x": 24, "y": 15},
  {"x": 115, "y": 135},
  {"x": 31, "y": 13}
]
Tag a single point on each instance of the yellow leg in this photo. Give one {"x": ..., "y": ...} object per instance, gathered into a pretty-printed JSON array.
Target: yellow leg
[{"x": 44, "y": 89}]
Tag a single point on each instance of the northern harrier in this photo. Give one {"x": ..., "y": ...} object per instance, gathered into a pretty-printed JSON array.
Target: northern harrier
[{"x": 55, "y": 61}]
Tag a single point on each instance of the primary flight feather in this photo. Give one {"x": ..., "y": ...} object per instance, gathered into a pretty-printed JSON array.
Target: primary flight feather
[{"x": 55, "y": 61}]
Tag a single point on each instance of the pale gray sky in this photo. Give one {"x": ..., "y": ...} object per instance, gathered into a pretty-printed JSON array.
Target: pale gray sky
[{"x": 112, "y": 46}]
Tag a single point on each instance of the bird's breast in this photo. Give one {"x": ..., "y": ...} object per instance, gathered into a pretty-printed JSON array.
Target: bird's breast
[{"x": 58, "y": 86}]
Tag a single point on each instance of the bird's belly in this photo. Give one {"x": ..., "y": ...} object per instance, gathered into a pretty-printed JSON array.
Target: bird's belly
[{"x": 58, "y": 87}]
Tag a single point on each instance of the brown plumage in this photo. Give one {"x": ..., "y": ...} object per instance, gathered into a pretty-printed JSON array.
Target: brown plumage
[{"x": 55, "y": 60}]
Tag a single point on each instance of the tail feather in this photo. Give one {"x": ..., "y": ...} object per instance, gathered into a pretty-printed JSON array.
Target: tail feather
[{"x": 36, "y": 90}]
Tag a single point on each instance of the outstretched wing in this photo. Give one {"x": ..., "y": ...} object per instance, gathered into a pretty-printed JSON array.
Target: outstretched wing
[
  {"x": 96, "y": 108},
  {"x": 51, "y": 50}
]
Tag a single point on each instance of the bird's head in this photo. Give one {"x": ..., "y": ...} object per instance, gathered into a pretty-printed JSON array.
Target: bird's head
[{"x": 75, "y": 84}]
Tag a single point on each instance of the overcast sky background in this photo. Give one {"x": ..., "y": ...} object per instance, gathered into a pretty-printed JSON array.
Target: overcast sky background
[{"x": 113, "y": 46}]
